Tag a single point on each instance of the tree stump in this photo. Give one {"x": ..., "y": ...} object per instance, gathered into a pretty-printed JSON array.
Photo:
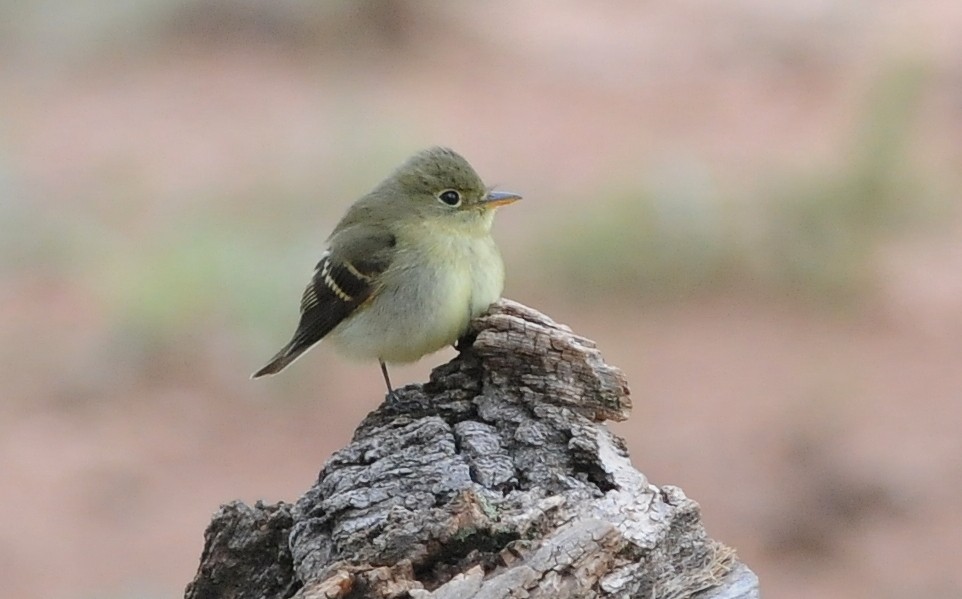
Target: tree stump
[{"x": 495, "y": 479}]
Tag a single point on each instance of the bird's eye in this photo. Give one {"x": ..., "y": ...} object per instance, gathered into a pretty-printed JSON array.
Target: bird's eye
[{"x": 450, "y": 197}]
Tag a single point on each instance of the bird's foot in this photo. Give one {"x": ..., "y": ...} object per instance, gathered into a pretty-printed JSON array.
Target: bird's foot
[{"x": 465, "y": 341}]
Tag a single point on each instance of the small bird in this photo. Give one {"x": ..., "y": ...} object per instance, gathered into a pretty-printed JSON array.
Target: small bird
[{"x": 406, "y": 269}]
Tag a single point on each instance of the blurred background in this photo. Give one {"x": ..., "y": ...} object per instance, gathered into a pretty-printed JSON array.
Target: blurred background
[{"x": 752, "y": 206}]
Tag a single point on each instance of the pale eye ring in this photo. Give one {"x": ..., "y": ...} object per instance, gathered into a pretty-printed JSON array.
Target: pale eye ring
[{"x": 450, "y": 197}]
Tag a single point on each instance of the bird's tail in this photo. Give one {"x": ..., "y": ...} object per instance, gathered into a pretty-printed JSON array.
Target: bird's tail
[{"x": 282, "y": 360}]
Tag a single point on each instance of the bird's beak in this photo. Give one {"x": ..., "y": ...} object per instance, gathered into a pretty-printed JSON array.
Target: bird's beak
[{"x": 499, "y": 198}]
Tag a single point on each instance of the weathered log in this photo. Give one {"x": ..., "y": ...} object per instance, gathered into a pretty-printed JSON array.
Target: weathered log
[{"x": 495, "y": 479}]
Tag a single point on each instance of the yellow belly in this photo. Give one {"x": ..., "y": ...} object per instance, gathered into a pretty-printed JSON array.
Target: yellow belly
[{"x": 427, "y": 300}]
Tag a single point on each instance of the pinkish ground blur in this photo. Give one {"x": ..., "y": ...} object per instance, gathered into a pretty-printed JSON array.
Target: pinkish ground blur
[{"x": 167, "y": 178}]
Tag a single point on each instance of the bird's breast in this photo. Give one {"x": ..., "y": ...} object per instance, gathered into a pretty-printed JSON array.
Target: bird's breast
[
  {"x": 473, "y": 269},
  {"x": 433, "y": 288}
]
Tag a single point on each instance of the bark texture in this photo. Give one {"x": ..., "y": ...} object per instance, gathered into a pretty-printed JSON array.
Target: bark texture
[{"x": 495, "y": 479}]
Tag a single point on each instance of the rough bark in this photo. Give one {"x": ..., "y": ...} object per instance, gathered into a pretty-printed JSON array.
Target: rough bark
[{"x": 495, "y": 479}]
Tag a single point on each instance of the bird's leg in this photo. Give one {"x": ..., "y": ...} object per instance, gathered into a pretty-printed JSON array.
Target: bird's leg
[{"x": 387, "y": 380}]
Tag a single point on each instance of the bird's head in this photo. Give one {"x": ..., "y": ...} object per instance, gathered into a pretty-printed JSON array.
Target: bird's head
[{"x": 438, "y": 185}]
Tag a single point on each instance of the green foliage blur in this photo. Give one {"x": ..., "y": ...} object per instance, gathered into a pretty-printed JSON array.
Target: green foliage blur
[
  {"x": 809, "y": 235},
  {"x": 226, "y": 256}
]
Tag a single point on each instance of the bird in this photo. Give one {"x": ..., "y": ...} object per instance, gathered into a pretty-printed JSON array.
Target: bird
[{"x": 406, "y": 269}]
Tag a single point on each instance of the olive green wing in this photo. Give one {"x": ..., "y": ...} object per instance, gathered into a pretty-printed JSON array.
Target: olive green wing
[{"x": 344, "y": 279}]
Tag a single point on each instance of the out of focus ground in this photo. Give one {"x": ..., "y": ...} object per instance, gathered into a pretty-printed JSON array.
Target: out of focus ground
[{"x": 752, "y": 208}]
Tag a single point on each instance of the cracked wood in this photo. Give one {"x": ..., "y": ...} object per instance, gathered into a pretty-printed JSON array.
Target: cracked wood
[{"x": 495, "y": 479}]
